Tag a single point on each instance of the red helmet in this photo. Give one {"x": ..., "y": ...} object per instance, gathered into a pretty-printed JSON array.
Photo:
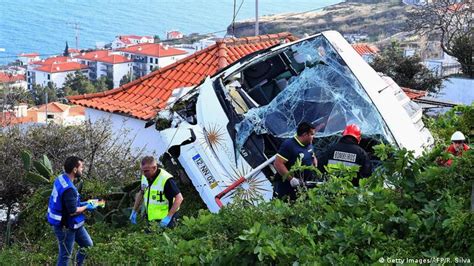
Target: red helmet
[{"x": 352, "y": 130}]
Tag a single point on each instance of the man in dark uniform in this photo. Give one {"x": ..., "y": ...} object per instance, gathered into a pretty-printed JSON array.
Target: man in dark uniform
[
  {"x": 299, "y": 147},
  {"x": 348, "y": 152}
]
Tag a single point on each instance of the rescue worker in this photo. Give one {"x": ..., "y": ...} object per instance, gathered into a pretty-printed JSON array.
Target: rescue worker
[
  {"x": 66, "y": 213},
  {"x": 159, "y": 193},
  {"x": 299, "y": 147},
  {"x": 348, "y": 152},
  {"x": 456, "y": 148}
]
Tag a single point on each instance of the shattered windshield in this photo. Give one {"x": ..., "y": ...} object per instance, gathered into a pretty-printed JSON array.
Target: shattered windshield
[{"x": 323, "y": 91}]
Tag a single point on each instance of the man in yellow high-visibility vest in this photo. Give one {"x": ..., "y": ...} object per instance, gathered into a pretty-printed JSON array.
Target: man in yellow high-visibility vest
[{"x": 159, "y": 193}]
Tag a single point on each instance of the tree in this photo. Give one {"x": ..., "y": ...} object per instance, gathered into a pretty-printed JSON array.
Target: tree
[
  {"x": 77, "y": 83},
  {"x": 451, "y": 23},
  {"x": 104, "y": 83},
  {"x": 406, "y": 71},
  {"x": 39, "y": 93},
  {"x": 66, "y": 50},
  {"x": 11, "y": 96},
  {"x": 126, "y": 79}
]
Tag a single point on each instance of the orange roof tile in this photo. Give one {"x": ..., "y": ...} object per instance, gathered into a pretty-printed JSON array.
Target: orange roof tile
[
  {"x": 29, "y": 55},
  {"x": 53, "y": 107},
  {"x": 414, "y": 94},
  {"x": 114, "y": 59},
  {"x": 142, "y": 98},
  {"x": 94, "y": 55},
  {"x": 152, "y": 49},
  {"x": 51, "y": 60},
  {"x": 61, "y": 67},
  {"x": 7, "y": 78},
  {"x": 364, "y": 48}
]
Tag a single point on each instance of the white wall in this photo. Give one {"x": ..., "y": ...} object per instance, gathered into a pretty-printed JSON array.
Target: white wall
[
  {"x": 162, "y": 61},
  {"x": 120, "y": 70},
  {"x": 147, "y": 138}
]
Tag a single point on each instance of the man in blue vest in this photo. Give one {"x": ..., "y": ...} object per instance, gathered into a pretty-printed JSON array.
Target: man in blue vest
[
  {"x": 66, "y": 213},
  {"x": 297, "y": 148},
  {"x": 159, "y": 193}
]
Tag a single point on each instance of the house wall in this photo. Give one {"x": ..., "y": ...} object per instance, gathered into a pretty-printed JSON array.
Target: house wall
[
  {"x": 147, "y": 138},
  {"x": 153, "y": 62},
  {"x": 120, "y": 70}
]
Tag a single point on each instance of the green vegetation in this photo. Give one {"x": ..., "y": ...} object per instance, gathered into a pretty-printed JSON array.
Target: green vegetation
[
  {"x": 409, "y": 208},
  {"x": 406, "y": 71}
]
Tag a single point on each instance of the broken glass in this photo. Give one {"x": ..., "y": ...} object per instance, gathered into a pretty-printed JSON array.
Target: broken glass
[{"x": 324, "y": 92}]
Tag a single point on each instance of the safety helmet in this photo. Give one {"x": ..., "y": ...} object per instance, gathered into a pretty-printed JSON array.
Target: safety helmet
[
  {"x": 458, "y": 136},
  {"x": 352, "y": 130}
]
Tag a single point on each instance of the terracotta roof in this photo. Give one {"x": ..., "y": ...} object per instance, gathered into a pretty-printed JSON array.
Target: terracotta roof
[
  {"x": 114, "y": 59},
  {"x": 142, "y": 98},
  {"x": 364, "y": 48},
  {"x": 77, "y": 110},
  {"x": 29, "y": 55},
  {"x": 152, "y": 49},
  {"x": 9, "y": 118},
  {"x": 414, "y": 94},
  {"x": 94, "y": 55},
  {"x": 53, "y": 107},
  {"x": 7, "y": 78},
  {"x": 73, "y": 50},
  {"x": 51, "y": 60},
  {"x": 61, "y": 67}
]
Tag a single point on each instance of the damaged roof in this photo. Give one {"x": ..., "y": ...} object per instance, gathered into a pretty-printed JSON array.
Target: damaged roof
[{"x": 142, "y": 98}]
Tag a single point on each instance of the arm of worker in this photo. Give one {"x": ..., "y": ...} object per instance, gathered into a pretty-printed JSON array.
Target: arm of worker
[
  {"x": 69, "y": 199},
  {"x": 178, "y": 199},
  {"x": 172, "y": 193},
  {"x": 315, "y": 160},
  {"x": 280, "y": 165},
  {"x": 282, "y": 156}
]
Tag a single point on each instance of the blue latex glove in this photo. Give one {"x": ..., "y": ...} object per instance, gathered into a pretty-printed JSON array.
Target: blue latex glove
[
  {"x": 165, "y": 222},
  {"x": 133, "y": 217},
  {"x": 91, "y": 207},
  {"x": 83, "y": 203}
]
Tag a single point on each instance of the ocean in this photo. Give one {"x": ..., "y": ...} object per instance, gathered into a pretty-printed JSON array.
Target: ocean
[{"x": 44, "y": 26}]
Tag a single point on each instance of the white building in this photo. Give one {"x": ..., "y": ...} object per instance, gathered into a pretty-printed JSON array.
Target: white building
[
  {"x": 26, "y": 59},
  {"x": 14, "y": 81},
  {"x": 105, "y": 63},
  {"x": 151, "y": 56},
  {"x": 445, "y": 66},
  {"x": 173, "y": 34},
  {"x": 122, "y": 41},
  {"x": 56, "y": 73}
]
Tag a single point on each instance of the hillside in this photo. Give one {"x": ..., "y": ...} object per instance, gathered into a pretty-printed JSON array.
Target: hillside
[{"x": 377, "y": 20}]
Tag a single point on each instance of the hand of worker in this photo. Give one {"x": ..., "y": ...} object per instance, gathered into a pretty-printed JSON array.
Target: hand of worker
[
  {"x": 90, "y": 206},
  {"x": 296, "y": 182},
  {"x": 165, "y": 222},
  {"x": 133, "y": 217}
]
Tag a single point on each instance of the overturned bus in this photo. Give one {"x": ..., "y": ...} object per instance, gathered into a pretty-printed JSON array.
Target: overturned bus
[{"x": 225, "y": 132}]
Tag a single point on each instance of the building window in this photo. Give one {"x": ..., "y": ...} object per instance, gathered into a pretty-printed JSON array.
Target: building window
[
  {"x": 151, "y": 60},
  {"x": 151, "y": 68},
  {"x": 49, "y": 76},
  {"x": 156, "y": 60}
]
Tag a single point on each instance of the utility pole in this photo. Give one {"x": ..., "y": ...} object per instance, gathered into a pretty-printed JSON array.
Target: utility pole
[
  {"x": 76, "y": 29},
  {"x": 46, "y": 105},
  {"x": 256, "y": 18}
]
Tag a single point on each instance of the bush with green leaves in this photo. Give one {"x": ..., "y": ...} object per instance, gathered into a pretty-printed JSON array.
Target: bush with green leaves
[{"x": 409, "y": 208}]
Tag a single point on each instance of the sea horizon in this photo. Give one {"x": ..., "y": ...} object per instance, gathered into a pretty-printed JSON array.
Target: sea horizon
[{"x": 44, "y": 27}]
